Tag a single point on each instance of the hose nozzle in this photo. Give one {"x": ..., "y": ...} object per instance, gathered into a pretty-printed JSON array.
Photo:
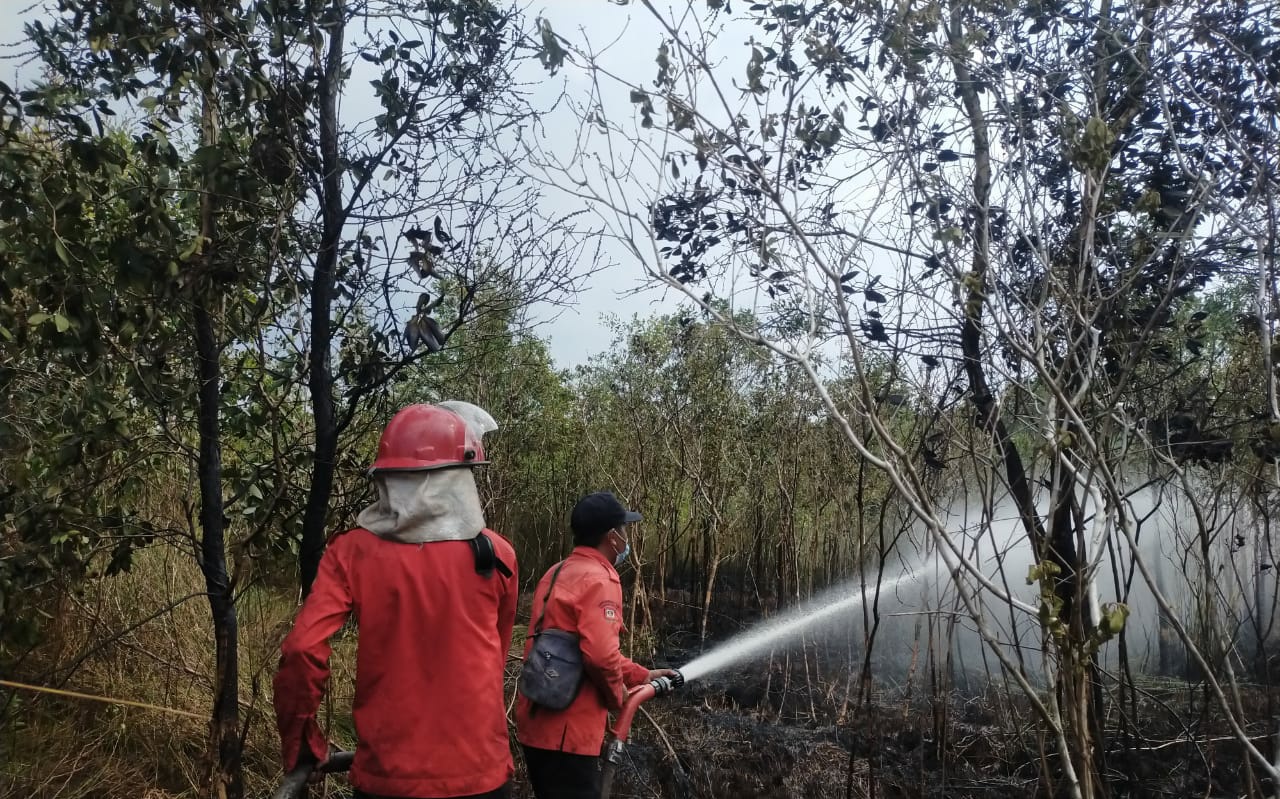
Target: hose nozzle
[{"x": 665, "y": 685}]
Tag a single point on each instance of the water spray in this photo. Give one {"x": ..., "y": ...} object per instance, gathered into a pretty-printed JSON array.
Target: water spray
[
  {"x": 759, "y": 640},
  {"x": 621, "y": 730},
  {"x": 736, "y": 650}
]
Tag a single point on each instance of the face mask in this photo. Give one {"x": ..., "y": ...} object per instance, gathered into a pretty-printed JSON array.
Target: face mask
[{"x": 622, "y": 556}]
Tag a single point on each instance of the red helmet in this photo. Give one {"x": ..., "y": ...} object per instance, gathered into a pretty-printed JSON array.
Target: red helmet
[{"x": 422, "y": 437}]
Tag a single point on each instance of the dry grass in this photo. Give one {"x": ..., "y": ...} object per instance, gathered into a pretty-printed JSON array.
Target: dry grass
[
  {"x": 103, "y": 641},
  {"x": 62, "y": 748},
  {"x": 145, "y": 636}
]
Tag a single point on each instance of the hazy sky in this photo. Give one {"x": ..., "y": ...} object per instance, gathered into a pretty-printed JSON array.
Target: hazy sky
[{"x": 576, "y": 333}]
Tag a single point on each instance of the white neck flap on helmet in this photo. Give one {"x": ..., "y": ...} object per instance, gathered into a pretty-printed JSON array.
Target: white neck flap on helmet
[{"x": 435, "y": 505}]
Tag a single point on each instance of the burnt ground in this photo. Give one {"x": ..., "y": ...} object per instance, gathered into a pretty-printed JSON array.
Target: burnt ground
[
  {"x": 701, "y": 744},
  {"x": 750, "y": 734},
  {"x": 792, "y": 726}
]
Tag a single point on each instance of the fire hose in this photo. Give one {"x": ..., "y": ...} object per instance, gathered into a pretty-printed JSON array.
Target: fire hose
[
  {"x": 614, "y": 749},
  {"x": 295, "y": 782}
]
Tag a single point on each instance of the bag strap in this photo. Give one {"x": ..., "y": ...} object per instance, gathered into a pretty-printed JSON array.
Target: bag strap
[
  {"x": 486, "y": 557},
  {"x": 537, "y": 628}
]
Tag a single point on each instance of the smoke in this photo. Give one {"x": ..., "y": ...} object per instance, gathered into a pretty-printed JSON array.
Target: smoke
[
  {"x": 1211, "y": 566},
  {"x": 1211, "y": 560}
]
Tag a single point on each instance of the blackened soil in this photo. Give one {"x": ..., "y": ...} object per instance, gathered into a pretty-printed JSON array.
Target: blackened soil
[
  {"x": 741, "y": 737},
  {"x": 690, "y": 749},
  {"x": 792, "y": 725}
]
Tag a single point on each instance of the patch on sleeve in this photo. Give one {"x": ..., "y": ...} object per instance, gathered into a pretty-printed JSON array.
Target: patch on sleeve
[{"x": 612, "y": 613}]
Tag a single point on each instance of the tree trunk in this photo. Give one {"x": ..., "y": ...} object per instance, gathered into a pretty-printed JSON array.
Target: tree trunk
[
  {"x": 1077, "y": 701},
  {"x": 226, "y": 780},
  {"x": 713, "y": 566},
  {"x": 315, "y": 516}
]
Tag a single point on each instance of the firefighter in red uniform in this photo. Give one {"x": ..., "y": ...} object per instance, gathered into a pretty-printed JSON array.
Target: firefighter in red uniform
[
  {"x": 433, "y": 593},
  {"x": 562, "y": 748}
]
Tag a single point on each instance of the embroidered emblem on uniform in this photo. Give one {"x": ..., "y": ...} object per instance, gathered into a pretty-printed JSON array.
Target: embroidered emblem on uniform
[{"x": 610, "y": 610}]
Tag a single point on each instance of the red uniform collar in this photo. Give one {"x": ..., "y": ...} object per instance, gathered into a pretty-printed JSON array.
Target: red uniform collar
[{"x": 594, "y": 554}]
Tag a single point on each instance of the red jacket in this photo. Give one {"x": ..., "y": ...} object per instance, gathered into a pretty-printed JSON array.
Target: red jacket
[
  {"x": 433, "y": 640},
  {"x": 586, "y": 600}
]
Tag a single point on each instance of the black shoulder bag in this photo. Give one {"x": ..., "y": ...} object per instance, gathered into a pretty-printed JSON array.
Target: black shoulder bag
[{"x": 552, "y": 671}]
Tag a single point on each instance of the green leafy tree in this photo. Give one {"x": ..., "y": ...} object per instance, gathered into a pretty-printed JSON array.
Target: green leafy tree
[
  {"x": 183, "y": 191},
  {"x": 1022, "y": 205}
]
